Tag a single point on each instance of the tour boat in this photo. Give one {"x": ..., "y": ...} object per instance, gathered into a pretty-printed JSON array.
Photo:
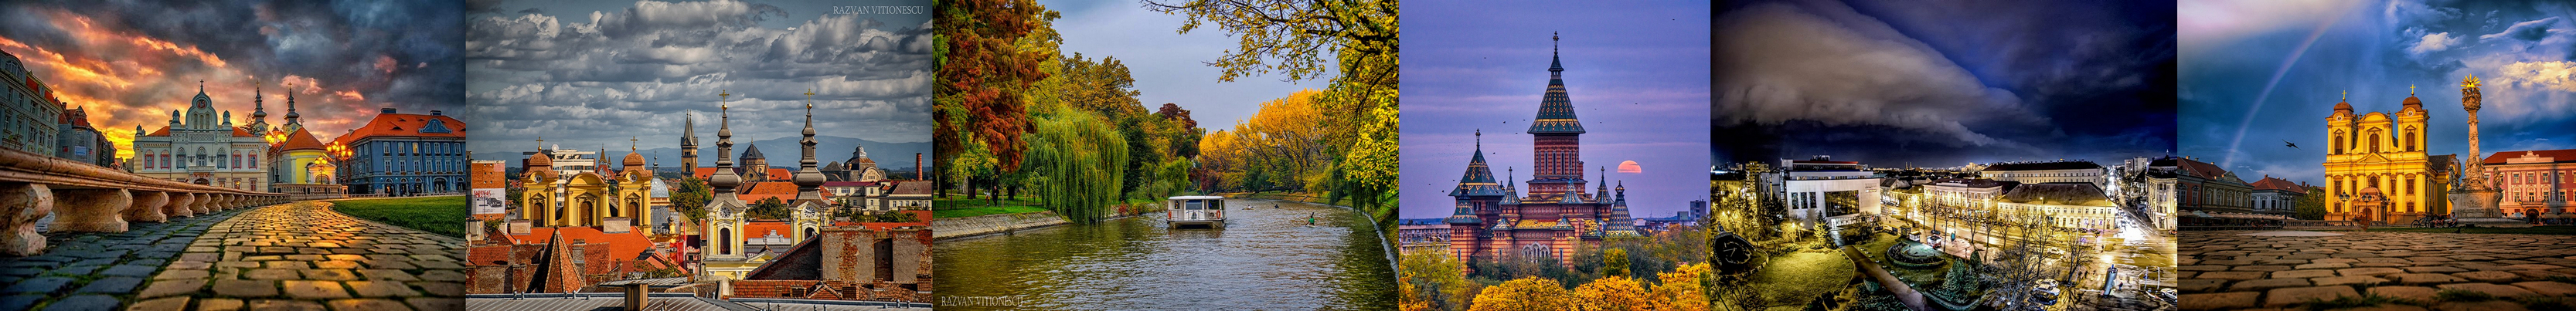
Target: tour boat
[{"x": 1196, "y": 211}]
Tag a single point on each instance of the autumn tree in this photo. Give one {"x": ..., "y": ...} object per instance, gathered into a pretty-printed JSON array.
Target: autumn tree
[
  {"x": 1681, "y": 289},
  {"x": 1613, "y": 294},
  {"x": 983, "y": 64},
  {"x": 1295, "y": 39},
  {"x": 1437, "y": 279},
  {"x": 1525, "y": 294}
]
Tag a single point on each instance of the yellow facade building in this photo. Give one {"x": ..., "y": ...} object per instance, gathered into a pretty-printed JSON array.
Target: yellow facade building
[
  {"x": 2382, "y": 154},
  {"x": 587, "y": 197}
]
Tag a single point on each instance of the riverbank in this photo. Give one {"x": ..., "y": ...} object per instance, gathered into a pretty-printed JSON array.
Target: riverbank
[{"x": 1266, "y": 256}]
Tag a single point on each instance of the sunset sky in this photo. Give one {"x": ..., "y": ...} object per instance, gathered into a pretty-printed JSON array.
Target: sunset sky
[{"x": 131, "y": 64}]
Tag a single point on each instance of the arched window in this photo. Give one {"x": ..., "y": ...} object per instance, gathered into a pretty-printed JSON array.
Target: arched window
[
  {"x": 2374, "y": 141},
  {"x": 2338, "y": 144},
  {"x": 724, "y": 241}
]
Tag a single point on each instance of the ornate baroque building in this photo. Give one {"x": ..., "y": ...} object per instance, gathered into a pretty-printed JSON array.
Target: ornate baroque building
[
  {"x": 1495, "y": 222},
  {"x": 725, "y": 256},
  {"x": 2382, "y": 152},
  {"x": 203, "y": 147}
]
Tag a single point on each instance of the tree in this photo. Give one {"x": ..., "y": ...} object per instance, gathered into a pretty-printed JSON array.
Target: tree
[
  {"x": 984, "y": 63},
  {"x": 1524, "y": 294},
  {"x": 1680, "y": 289},
  {"x": 2311, "y": 206},
  {"x": 1614, "y": 263},
  {"x": 1076, "y": 160},
  {"x": 689, "y": 196},
  {"x": 1438, "y": 280},
  {"x": 769, "y": 208},
  {"x": 1613, "y": 294}
]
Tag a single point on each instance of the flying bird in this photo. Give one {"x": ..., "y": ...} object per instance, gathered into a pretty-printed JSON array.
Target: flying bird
[{"x": 2292, "y": 145}]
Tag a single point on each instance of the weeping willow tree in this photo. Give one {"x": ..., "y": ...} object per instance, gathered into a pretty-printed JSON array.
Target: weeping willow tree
[{"x": 1075, "y": 160}]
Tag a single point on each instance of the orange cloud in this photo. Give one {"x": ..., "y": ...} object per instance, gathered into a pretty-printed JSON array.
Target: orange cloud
[
  {"x": 126, "y": 79},
  {"x": 1630, "y": 167}
]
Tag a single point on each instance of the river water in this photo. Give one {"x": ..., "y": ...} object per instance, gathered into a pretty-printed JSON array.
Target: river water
[{"x": 1265, "y": 259}]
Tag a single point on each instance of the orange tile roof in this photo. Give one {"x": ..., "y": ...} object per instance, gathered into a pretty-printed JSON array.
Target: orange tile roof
[
  {"x": 242, "y": 132},
  {"x": 164, "y": 131},
  {"x": 300, "y": 140},
  {"x": 758, "y": 229},
  {"x": 620, "y": 245},
  {"x": 2269, "y": 183},
  {"x": 752, "y": 193},
  {"x": 402, "y": 124}
]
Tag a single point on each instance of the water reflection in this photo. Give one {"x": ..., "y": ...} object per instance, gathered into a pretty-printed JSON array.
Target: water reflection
[{"x": 1267, "y": 258}]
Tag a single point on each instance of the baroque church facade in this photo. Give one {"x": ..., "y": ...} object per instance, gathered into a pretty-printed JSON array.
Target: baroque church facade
[{"x": 2379, "y": 161}]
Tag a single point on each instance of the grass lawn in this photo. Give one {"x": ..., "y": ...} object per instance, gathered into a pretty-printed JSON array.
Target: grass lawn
[
  {"x": 438, "y": 215},
  {"x": 981, "y": 211},
  {"x": 2551, "y": 230}
]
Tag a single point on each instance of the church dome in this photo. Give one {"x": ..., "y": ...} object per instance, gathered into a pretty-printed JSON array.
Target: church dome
[
  {"x": 2343, "y": 107},
  {"x": 540, "y": 160},
  {"x": 633, "y": 159},
  {"x": 2412, "y": 102}
]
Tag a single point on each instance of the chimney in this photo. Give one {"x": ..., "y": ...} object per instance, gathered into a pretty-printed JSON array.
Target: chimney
[
  {"x": 635, "y": 296},
  {"x": 916, "y": 167},
  {"x": 389, "y": 110}
]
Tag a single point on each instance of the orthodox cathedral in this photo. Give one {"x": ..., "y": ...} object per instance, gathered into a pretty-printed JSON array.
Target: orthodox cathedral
[{"x": 1495, "y": 220}]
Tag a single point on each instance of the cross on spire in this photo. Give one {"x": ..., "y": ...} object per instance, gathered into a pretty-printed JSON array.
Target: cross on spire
[{"x": 2410, "y": 90}]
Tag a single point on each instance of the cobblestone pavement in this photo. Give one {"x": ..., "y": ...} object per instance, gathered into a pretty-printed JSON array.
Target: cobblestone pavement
[
  {"x": 2398, "y": 271},
  {"x": 295, "y": 256},
  {"x": 98, "y": 271}
]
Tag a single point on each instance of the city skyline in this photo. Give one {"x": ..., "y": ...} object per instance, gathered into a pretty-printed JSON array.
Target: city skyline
[
  {"x": 2256, "y": 79},
  {"x": 133, "y": 63}
]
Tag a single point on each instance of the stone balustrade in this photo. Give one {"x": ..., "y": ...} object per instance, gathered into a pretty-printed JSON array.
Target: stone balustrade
[{"x": 90, "y": 198}]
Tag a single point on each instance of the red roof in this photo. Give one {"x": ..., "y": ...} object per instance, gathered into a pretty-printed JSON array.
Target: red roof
[
  {"x": 301, "y": 139},
  {"x": 403, "y": 124},
  {"x": 2269, "y": 183},
  {"x": 2560, "y": 156},
  {"x": 775, "y": 174},
  {"x": 620, "y": 245},
  {"x": 242, "y": 132},
  {"x": 754, "y": 192},
  {"x": 2201, "y": 169},
  {"x": 758, "y": 229},
  {"x": 164, "y": 131}
]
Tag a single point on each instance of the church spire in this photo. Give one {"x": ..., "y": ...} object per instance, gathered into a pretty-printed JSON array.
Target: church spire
[
  {"x": 808, "y": 180},
  {"x": 290, "y": 105},
  {"x": 258, "y": 101},
  {"x": 724, "y": 179}
]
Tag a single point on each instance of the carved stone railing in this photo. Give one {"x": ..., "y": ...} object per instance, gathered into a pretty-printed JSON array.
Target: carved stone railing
[{"x": 97, "y": 199}]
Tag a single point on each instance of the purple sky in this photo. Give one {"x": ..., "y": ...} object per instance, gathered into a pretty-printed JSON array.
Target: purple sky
[{"x": 1638, "y": 75}]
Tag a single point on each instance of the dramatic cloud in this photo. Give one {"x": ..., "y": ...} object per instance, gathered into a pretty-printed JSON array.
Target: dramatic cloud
[
  {"x": 598, "y": 78},
  {"x": 131, "y": 63},
  {"x": 1894, "y": 82},
  {"x": 2250, "y": 89}
]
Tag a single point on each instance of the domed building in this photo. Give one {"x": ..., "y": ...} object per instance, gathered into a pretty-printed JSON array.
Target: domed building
[{"x": 2383, "y": 152}]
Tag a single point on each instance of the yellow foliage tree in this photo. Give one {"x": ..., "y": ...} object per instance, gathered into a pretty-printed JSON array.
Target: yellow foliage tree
[
  {"x": 1613, "y": 294},
  {"x": 1524, "y": 294},
  {"x": 1680, "y": 289}
]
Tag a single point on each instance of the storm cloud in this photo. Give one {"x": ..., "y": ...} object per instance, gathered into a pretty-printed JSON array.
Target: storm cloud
[
  {"x": 1942, "y": 84},
  {"x": 131, "y": 62}
]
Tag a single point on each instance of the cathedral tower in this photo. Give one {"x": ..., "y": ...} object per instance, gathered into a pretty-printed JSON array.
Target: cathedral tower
[{"x": 1557, "y": 145}]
